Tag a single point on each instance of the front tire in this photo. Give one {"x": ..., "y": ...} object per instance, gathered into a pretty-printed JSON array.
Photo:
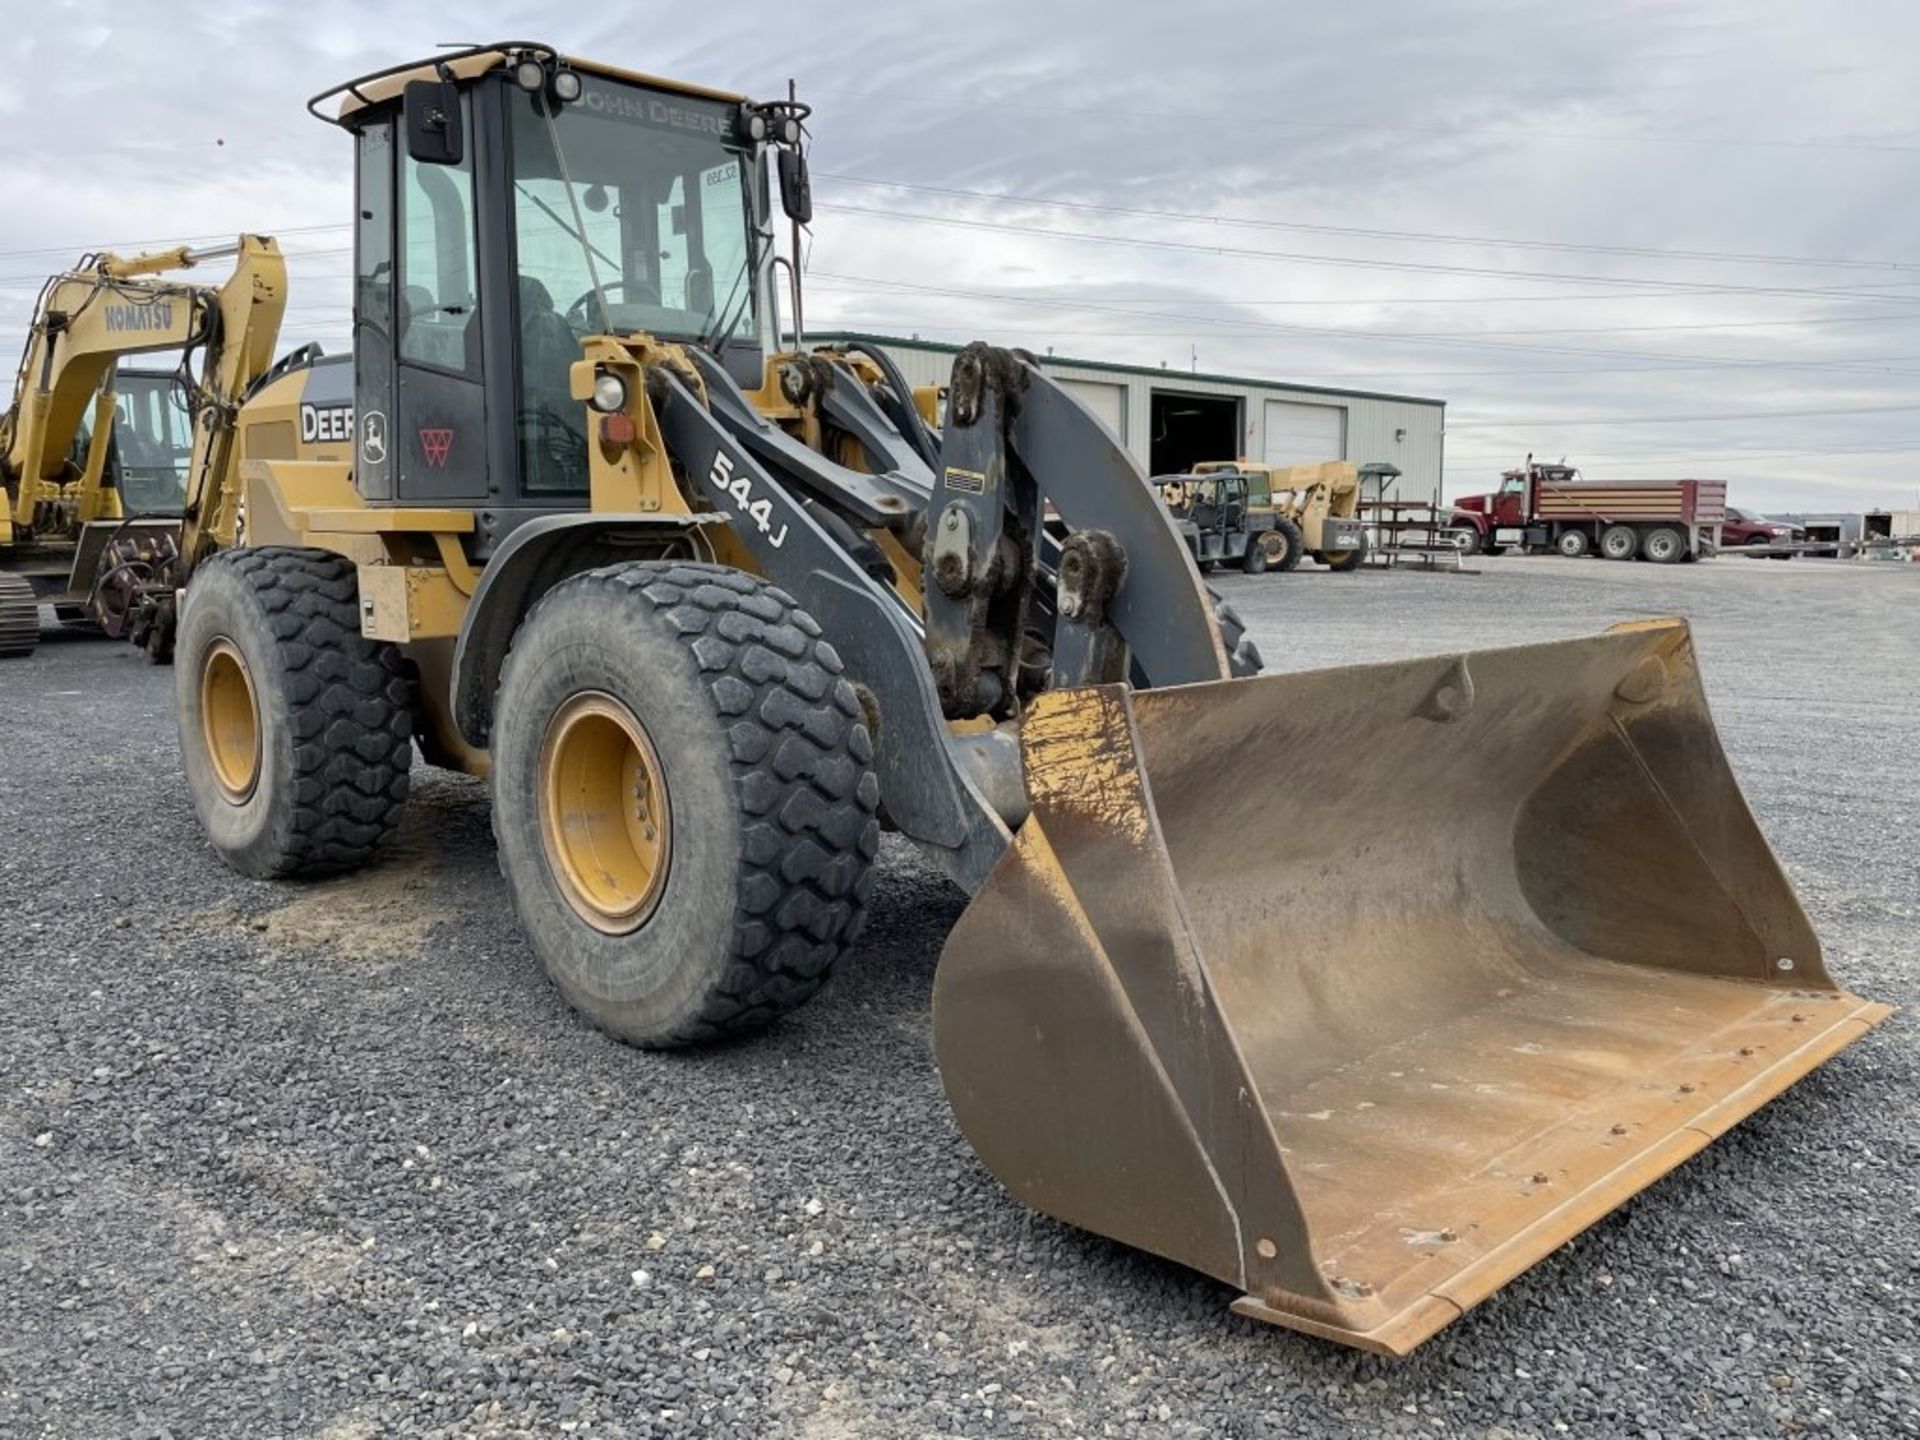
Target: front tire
[
  {"x": 296, "y": 733},
  {"x": 1288, "y": 547},
  {"x": 699, "y": 703},
  {"x": 1468, "y": 540}
]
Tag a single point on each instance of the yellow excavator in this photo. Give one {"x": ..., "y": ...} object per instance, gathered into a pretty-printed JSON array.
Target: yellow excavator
[
  {"x": 98, "y": 462},
  {"x": 710, "y": 612}
]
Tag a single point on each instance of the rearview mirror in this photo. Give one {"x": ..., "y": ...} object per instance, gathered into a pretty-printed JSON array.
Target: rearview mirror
[
  {"x": 434, "y": 136},
  {"x": 796, "y": 190}
]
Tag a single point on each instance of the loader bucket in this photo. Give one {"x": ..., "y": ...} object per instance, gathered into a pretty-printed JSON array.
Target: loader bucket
[{"x": 1364, "y": 989}]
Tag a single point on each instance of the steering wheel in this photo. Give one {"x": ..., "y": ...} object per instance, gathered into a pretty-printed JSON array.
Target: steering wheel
[{"x": 577, "y": 311}]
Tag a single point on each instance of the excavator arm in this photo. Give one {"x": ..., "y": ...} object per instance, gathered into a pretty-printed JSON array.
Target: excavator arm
[{"x": 86, "y": 321}]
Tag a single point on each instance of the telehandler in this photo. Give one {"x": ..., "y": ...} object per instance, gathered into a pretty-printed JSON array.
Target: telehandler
[
  {"x": 90, "y": 455},
  {"x": 1214, "y": 521},
  {"x": 1311, "y": 509},
  {"x": 709, "y": 614}
]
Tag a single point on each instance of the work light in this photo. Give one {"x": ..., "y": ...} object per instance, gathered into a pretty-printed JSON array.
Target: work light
[{"x": 609, "y": 393}]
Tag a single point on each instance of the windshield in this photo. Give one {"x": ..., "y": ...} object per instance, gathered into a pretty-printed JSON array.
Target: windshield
[
  {"x": 643, "y": 201},
  {"x": 661, "y": 195},
  {"x": 153, "y": 436}
]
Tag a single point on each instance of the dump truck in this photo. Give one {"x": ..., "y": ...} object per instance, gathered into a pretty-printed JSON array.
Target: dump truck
[
  {"x": 94, "y": 457},
  {"x": 709, "y": 612},
  {"x": 1315, "y": 509},
  {"x": 1549, "y": 509}
]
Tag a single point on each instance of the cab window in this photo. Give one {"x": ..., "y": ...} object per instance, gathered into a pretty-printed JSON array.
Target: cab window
[{"x": 435, "y": 316}]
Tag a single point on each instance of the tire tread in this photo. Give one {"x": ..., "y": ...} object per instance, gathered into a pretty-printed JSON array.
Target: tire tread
[
  {"x": 350, "y": 707},
  {"x": 800, "y": 758}
]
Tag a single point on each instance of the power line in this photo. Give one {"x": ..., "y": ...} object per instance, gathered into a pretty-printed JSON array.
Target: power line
[
  {"x": 167, "y": 242},
  {"x": 1677, "y": 457},
  {"x": 1363, "y": 232},
  {"x": 1239, "y": 121},
  {"x": 1679, "y": 419},
  {"x": 1354, "y": 262},
  {"x": 1277, "y": 328}
]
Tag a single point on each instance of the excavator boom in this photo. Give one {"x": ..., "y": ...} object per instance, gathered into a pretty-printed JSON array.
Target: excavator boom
[{"x": 88, "y": 320}]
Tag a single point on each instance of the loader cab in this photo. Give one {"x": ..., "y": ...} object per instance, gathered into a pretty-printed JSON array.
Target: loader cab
[{"x": 509, "y": 205}]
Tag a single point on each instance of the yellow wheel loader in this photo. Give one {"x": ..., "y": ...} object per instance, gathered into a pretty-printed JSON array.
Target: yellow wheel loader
[
  {"x": 96, "y": 462},
  {"x": 1314, "y": 509},
  {"x": 710, "y": 615}
]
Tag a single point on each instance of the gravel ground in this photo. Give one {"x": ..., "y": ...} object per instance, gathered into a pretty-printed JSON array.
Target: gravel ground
[{"x": 336, "y": 1161}]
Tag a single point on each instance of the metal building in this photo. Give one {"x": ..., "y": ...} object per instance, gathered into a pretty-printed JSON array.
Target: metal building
[{"x": 1172, "y": 419}]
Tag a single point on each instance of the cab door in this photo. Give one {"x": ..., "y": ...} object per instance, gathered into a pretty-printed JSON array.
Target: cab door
[
  {"x": 419, "y": 377},
  {"x": 1510, "y": 504},
  {"x": 438, "y": 444}
]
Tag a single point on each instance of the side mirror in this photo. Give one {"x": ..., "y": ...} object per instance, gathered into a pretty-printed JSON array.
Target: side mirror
[
  {"x": 434, "y": 136},
  {"x": 796, "y": 190}
]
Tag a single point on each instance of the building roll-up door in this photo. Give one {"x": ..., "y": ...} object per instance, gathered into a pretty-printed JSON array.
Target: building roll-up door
[
  {"x": 1107, "y": 401},
  {"x": 1301, "y": 434}
]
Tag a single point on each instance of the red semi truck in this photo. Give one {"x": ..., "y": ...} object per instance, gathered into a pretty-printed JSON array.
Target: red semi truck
[{"x": 1550, "y": 509}]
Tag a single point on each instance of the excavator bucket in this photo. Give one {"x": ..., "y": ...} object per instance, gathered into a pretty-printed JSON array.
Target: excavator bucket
[{"x": 1364, "y": 989}]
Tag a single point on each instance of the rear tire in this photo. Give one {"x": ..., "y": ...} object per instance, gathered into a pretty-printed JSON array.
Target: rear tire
[
  {"x": 296, "y": 733},
  {"x": 1619, "y": 542},
  {"x": 763, "y": 783},
  {"x": 1343, "y": 561},
  {"x": 19, "y": 616},
  {"x": 1573, "y": 543},
  {"x": 1253, "y": 560},
  {"x": 1664, "y": 545}
]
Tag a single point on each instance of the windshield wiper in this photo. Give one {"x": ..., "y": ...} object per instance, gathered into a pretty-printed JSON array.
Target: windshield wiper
[
  {"x": 729, "y": 314},
  {"x": 561, "y": 221},
  {"x": 579, "y": 228}
]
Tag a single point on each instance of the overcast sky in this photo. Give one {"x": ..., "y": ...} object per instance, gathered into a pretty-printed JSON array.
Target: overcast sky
[{"x": 1697, "y": 216}]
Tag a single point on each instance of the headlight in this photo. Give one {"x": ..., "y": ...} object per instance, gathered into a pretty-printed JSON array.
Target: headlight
[
  {"x": 754, "y": 122},
  {"x": 530, "y": 75},
  {"x": 566, "y": 85},
  {"x": 790, "y": 131},
  {"x": 609, "y": 393}
]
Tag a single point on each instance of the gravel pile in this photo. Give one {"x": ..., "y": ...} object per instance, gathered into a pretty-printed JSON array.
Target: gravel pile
[{"x": 335, "y": 1161}]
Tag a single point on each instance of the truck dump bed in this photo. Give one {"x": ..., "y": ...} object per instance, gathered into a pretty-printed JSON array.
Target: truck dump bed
[{"x": 1685, "y": 502}]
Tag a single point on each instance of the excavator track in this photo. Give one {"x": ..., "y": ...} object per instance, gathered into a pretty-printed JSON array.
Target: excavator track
[{"x": 19, "y": 616}]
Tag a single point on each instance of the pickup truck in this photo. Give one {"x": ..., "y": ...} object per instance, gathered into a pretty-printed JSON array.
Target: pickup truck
[
  {"x": 1550, "y": 509},
  {"x": 1744, "y": 527}
]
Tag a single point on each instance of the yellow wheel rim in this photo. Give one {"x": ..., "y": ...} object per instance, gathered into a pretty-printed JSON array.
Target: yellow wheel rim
[
  {"x": 230, "y": 721},
  {"x": 604, "y": 817}
]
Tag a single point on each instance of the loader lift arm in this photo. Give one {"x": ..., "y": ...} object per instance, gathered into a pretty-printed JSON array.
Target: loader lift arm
[{"x": 1122, "y": 593}]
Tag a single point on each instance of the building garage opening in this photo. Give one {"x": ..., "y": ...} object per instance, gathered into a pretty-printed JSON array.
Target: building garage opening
[{"x": 1189, "y": 429}]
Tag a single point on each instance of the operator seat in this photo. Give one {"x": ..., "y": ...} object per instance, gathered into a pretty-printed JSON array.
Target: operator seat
[
  {"x": 552, "y": 422},
  {"x": 548, "y": 346}
]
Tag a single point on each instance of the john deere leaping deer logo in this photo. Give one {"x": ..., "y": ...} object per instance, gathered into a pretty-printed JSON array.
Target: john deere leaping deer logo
[
  {"x": 435, "y": 445},
  {"x": 373, "y": 438}
]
